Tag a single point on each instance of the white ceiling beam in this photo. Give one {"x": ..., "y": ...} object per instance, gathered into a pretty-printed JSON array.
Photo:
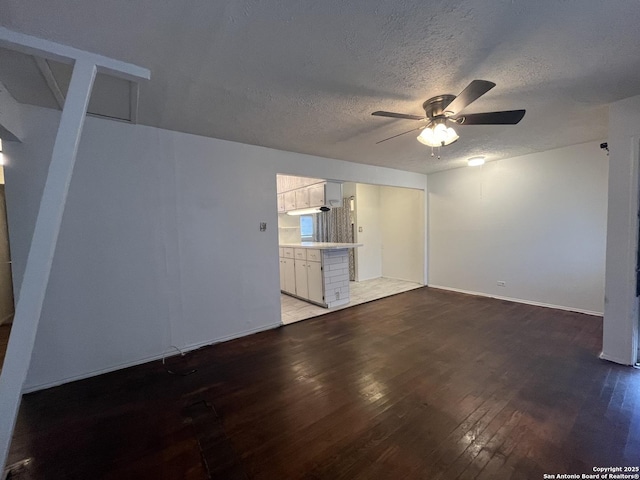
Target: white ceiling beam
[
  {"x": 43, "y": 243},
  {"x": 65, "y": 54},
  {"x": 52, "y": 204}
]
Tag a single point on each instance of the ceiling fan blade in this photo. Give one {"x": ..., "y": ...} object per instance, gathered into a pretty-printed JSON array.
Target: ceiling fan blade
[
  {"x": 403, "y": 133},
  {"x": 474, "y": 90},
  {"x": 398, "y": 115},
  {"x": 507, "y": 117}
]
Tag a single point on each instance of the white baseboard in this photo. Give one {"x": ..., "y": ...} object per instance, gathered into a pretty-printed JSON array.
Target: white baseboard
[
  {"x": 519, "y": 300},
  {"x": 167, "y": 353},
  {"x": 611, "y": 358},
  {"x": 403, "y": 280}
]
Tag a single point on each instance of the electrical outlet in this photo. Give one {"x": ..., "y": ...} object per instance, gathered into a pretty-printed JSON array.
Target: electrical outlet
[
  {"x": 337, "y": 294},
  {"x": 502, "y": 283}
]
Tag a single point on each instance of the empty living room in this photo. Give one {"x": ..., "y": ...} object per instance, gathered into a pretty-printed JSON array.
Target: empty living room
[{"x": 475, "y": 165}]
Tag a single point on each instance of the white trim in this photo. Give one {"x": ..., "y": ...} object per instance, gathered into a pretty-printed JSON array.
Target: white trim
[
  {"x": 66, "y": 54},
  {"x": 632, "y": 246},
  {"x": 519, "y": 300},
  {"x": 403, "y": 280},
  {"x": 167, "y": 353},
  {"x": 635, "y": 247},
  {"x": 604, "y": 356}
]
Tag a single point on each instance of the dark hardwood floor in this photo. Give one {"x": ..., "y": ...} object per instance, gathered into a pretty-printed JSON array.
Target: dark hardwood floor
[{"x": 426, "y": 384}]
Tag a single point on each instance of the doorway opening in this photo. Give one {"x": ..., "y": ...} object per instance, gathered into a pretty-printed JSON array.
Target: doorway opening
[{"x": 388, "y": 223}]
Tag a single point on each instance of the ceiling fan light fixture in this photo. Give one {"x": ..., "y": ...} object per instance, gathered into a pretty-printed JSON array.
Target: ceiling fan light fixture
[
  {"x": 438, "y": 136},
  {"x": 475, "y": 161}
]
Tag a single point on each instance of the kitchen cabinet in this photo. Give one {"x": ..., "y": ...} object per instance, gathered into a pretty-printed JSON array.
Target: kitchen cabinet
[
  {"x": 289, "y": 275},
  {"x": 289, "y": 200},
  {"x": 302, "y": 197},
  {"x": 308, "y": 274},
  {"x": 320, "y": 272},
  {"x": 282, "y": 284},
  {"x": 316, "y": 195},
  {"x": 287, "y": 271},
  {"x": 302, "y": 288},
  {"x": 314, "y": 282},
  {"x": 280, "y": 257}
]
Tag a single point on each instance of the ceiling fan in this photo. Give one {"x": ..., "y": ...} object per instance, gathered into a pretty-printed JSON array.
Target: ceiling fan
[{"x": 443, "y": 110}]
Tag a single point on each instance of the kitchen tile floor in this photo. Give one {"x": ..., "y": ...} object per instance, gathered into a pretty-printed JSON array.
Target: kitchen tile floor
[{"x": 294, "y": 310}]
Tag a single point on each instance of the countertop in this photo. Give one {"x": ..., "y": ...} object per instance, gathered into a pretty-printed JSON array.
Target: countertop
[{"x": 322, "y": 245}]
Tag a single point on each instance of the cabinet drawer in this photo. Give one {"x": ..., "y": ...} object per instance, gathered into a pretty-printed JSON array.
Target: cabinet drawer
[
  {"x": 281, "y": 251},
  {"x": 300, "y": 253},
  {"x": 288, "y": 252},
  {"x": 313, "y": 255}
]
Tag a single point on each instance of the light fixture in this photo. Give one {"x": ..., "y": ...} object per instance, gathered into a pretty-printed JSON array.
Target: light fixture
[
  {"x": 308, "y": 211},
  {"x": 475, "y": 161},
  {"x": 438, "y": 135}
]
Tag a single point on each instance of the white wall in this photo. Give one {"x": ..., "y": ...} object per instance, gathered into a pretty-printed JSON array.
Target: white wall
[
  {"x": 402, "y": 215},
  {"x": 369, "y": 256},
  {"x": 620, "y": 334},
  {"x": 159, "y": 243},
  {"x": 537, "y": 222}
]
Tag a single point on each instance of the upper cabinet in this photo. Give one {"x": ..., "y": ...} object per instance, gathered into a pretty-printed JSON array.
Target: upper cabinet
[
  {"x": 289, "y": 200},
  {"x": 316, "y": 195},
  {"x": 281, "y": 208},
  {"x": 319, "y": 194},
  {"x": 302, "y": 197}
]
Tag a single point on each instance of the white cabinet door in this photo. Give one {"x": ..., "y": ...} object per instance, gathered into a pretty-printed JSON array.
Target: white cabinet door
[
  {"x": 289, "y": 276},
  {"x": 282, "y": 274},
  {"x": 316, "y": 195},
  {"x": 314, "y": 281},
  {"x": 281, "y": 208},
  {"x": 302, "y": 198},
  {"x": 302, "y": 289},
  {"x": 289, "y": 200}
]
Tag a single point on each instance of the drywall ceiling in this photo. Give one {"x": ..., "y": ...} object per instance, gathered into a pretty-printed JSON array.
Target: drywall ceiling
[{"x": 304, "y": 76}]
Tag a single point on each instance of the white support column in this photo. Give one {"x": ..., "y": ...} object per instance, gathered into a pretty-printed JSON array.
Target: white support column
[{"x": 43, "y": 244}]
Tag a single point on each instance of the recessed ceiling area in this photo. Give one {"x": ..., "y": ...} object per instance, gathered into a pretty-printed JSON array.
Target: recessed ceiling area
[
  {"x": 38, "y": 81},
  {"x": 306, "y": 76}
]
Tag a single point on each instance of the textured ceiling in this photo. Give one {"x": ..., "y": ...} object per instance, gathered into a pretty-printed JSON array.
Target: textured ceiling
[{"x": 304, "y": 76}]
